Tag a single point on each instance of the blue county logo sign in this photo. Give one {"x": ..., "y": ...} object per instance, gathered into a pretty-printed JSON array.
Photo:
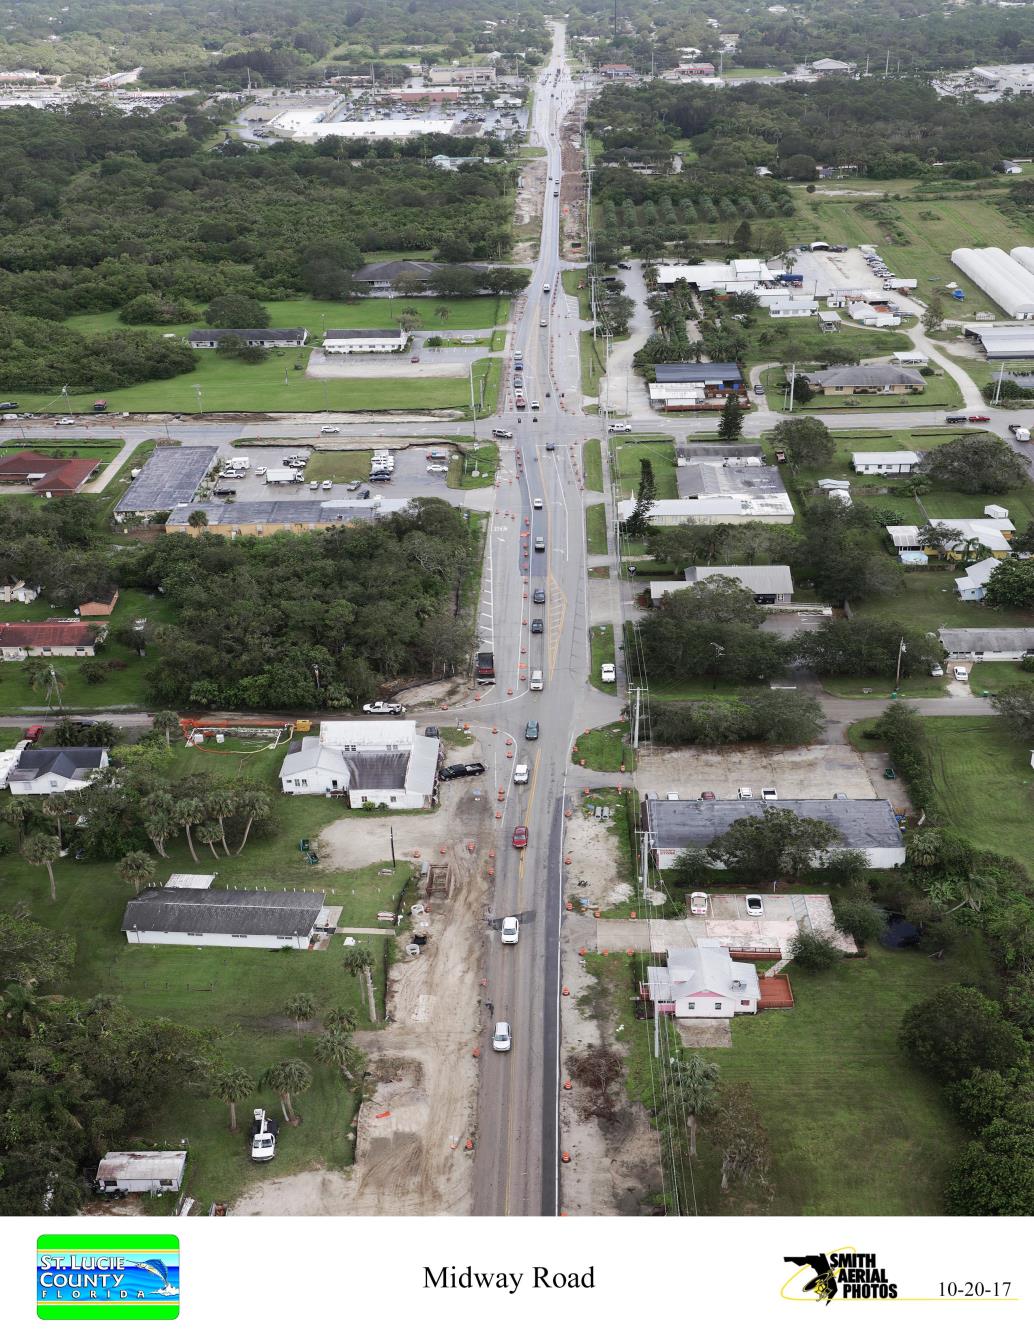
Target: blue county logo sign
[{"x": 108, "y": 1277}]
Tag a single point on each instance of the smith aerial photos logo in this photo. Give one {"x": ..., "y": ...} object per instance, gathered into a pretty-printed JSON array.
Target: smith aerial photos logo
[
  {"x": 107, "y": 1277},
  {"x": 843, "y": 1275}
]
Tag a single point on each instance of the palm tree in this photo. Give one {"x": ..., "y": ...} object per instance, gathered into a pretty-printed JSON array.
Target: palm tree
[
  {"x": 335, "y": 1048},
  {"x": 197, "y": 520},
  {"x": 300, "y": 1008},
  {"x": 22, "y": 1007},
  {"x": 285, "y": 1077},
  {"x": 208, "y": 833},
  {"x": 256, "y": 807},
  {"x": 46, "y": 678},
  {"x": 42, "y": 851},
  {"x": 358, "y": 961},
  {"x": 697, "y": 1082},
  {"x": 442, "y": 313},
  {"x": 222, "y": 804},
  {"x": 189, "y": 812},
  {"x": 136, "y": 868},
  {"x": 409, "y": 318},
  {"x": 159, "y": 818},
  {"x": 19, "y": 813},
  {"x": 57, "y": 806},
  {"x": 166, "y": 721},
  {"x": 341, "y": 1019},
  {"x": 231, "y": 1086}
]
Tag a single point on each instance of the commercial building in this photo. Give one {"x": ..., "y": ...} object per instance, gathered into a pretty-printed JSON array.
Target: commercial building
[
  {"x": 827, "y": 69},
  {"x": 189, "y": 912},
  {"x": 365, "y": 341},
  {"x": 170, "y": 477},
  {"x": 284, "y": 338},
  {"x": 470, "y": 76},
  {"x": 1001, "y": 341},
  {"x": 1002, "y": 277},
  {"x": 768, "y": 584},
  {"x": 884, "y": 462},
  {"x": 737, "y": 276},
  {"x": 703, "y": 982},
  {"x": 732, "y": 478},
  {"x": 874, "y": 378},
  {"x": 19, "y": 641},
  {"x": 46, "y": 475},
  {"x": 617, "y": 71},
  {"x": 1001, "y": 79},
  {"x": 868, "y": 825},
  {"x": 694, "y": 385},
  {"x": 55, "y": 770},
  {"x": 772, "y": 509},
  {"x": 265, "y": 518},
  {"x": 375, "y": 762},
  {"x": 382, "y": 277}
]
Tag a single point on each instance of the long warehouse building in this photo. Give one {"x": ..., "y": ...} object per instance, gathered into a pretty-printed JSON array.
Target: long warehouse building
[
  {"x": 1001, "y": 277},
  {"x": 1024, "y": 255}
]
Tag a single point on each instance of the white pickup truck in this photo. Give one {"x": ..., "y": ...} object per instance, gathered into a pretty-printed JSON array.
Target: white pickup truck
[
  {"x": 263, "y": 1136},
  {"x": 383, "y": 708}
]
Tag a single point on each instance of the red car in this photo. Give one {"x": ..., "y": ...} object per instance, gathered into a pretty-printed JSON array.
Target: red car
[
  {"x": 520, "y": 837},
  {"x": 979, "y": 417},
  {"x": 34, "y": 733},
  {"x": 521, "y": 402}
]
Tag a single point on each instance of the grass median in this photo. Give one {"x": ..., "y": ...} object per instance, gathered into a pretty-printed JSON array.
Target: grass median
[{"x": 592, "y": 465}]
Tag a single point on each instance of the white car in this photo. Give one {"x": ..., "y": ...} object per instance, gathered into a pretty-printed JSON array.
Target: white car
[
  {"x": 672, "y": 795},
  {"x": 326, "y": 485},
  {"x": 502, "y": 1039},
  {"x": 66, "y": 422},
  {"x": 521, "y": 773},
  {"x": 384, "y": 708},
  {"x": 510, "y": 931},
  {"x": 329, "y": 431},
  {"x": 755, "y": 905},
  {"x": 961, "y": 675},
  {"x": 537, "y": 503},
  {"x": 609, "y": 673},
  {"x": 937, "y": 671},
  {"x": 620, "y": 427},
  {"x": 314, "y": 485},
  {"x": 543, "y": 325},
  {"x": 437, "y": 469}
]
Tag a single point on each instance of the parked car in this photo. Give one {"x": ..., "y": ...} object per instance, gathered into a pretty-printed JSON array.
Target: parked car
[
  {"x": 521, "y": 773},
  {"x": 510, "y": 930},
  {"x": 415, "y": 357},
  {"x": 502, "y": 1039},
  {"x": 623, "y": 265},
  {"x": 436, "y": 454},
  {"x": 759, "y": 389},
  {"x": 961, "y": 674},
  {"x": 707, "y": 794},
  {"x": 329, "y": 431},
  {"x": 66, "y": 422},
  {"x": 326, "y": 485},
  {"x": 537, "y": 625},
  {"x": 520, "y": 837},
  {"x": 431, "y": 732},
  {"x": 937, "y": 671},
  {"x": 9, "y": 404},
  {"x": 459, "y": 770},
  {"x": 384, "y": 708},
  {"x": 314, "y": 485},
  {"x": 531, "y": 730},
  {"x": 608, "y": 673},
  {"x": 755, "y": 904},
  {"x": 437, "y": 469},
  {"x": 33, "y": 734},
  {"x": 745, "y": 792},
  {"x": 355, "y": 485}
]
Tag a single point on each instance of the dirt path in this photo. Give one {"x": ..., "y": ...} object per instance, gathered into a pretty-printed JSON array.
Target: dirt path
[{"x": 410, "y": 1154}]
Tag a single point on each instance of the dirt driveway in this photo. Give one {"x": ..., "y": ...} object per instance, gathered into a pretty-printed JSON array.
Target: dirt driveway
[{"x": 816, "y": 772}]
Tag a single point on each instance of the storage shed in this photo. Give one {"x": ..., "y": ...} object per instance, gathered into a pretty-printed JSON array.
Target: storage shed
[{"x": 140, "y": 1172}]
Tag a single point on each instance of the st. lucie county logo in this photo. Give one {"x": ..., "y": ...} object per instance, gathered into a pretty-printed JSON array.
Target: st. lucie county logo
[
  {"x": 841, "y": 1275},
  {"x": 107, "y": 1277}
]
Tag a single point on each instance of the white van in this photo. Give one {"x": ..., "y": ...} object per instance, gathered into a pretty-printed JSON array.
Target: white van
[
  {"x": 240, "y": 462},
  {"x": 536, "y": 684},
  {"x": 608, "y": 673}
]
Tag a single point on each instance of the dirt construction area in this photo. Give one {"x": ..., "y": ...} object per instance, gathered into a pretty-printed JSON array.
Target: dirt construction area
[
  {"x": 816, "y": 772},
  {"x": 422, "y": 1084}
]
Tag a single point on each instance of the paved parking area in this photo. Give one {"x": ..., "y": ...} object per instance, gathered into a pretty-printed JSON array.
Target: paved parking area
[
  {"x": 816, "y": 772},
  {"x": 410, "y": 478},
  {"x": 395, "y": 366}
]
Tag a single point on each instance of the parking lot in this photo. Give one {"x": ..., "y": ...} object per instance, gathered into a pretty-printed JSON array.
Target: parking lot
[
  {"x": 816, "y": 772},
  {"x": 825, "y": 270},
  {"x": 410, "y": 478},
  {"x": 398, "y": 366}
]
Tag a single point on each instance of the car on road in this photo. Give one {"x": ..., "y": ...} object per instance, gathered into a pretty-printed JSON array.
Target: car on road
[
  {"x": 437, "y": 469},
  {"x": 755, "y": 904},
  {"x": 329, "y": 431},
  {"x": 384, "y": 708},
  {"x": 502, "y": 434},
  {"x": 759, "y": 389},
  {"x": 520, "y": 402},
  {"x": 314, "y": 485},
  {"x": 520, "y": 837},
  {"x": 543, "y": 325},
  {"x": 518, "y": 382},
  {"x": 502, "y": 1038},
  {"x": 415, "y": 357},
  {"x": 510, "y": 930},
  {"x": 623, "y": 264},
  {"x": 537, "y": 625},
  {"x": 460, "y": 769},
  {"x": 540, "y": 544},
  {"x": 521, "y": 773},
  {"x": 535, "y": 404},
  {"x": 619, "y": 427},
  {"x": 537, "y": 684},
  {"x": 537, "y": 504},
  {"x": 550, "y": 445},
  {"x": 66, "y": 422},
  {"x": 961, "y": 674},
  {"x": 608, "y": 673},
  {"x": 539, "y": 596},
  {"x": 531, "y": 730},
  {"x": 545, "y": 287},
  {"x": 979, "y": 417},
  {"x": 355, "y": 485},
  {"x": 955, "y": 418}
]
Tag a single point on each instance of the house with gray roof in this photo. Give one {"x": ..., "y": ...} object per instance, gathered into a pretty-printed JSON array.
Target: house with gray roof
[
  {"x": 170, "y": 478},
  {"x": 702, "y": 982},
  {"x": 385, "y": 762},
  {"x": 238, "y": 917},
  {"x": 873, "y": 378},
  {"x": 55, "y": 770},
  {"x": 868, "y": 825},
  {"x": 978, "y": 644},
  {"x": 293, "y": 337}
]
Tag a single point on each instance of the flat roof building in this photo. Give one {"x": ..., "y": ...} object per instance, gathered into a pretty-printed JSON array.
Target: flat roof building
[
  {"x": 223, "y": 917},
  {"x": 365, "y": 341},
  {"x": 264, "y": 518},
  {"x": 170, "y": 478},
  {"x": 294, "y": 337}
]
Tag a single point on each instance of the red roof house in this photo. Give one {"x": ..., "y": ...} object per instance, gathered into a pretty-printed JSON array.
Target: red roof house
[
  {"x": 20, "y": 640},
  {"x": 45, "y": 473}
]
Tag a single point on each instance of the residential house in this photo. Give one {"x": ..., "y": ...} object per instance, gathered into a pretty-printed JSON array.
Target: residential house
[
  {"x": 365, "y": 341},
  {"x": 189, "y": 912},
  {"x": 868, "y": 825},
  {"x": 873, "y": 378},
  {"x": 46, "y": 475},
  {"x": 977, "y": 644},
  {"x": 102, "y": 607},
  {"x": 992, "y": 534},
  {"x": 694, "y": 385},
  {"x": 788, "y": 306},
  {"x": 703, "y": 981},
  {"x": 973, "y": 586},
  {"x": 140, "y": 1173},
  {"x": 385, "y": 762},
  {"x": 14, "y": 591},
  {"x": 284, "y": 338},
  {"x": 769, "y": 585},
  {"x": 19, "y": 641},
  {"x": 884, "y": 462},
  {"x": 55, "y": 770}
]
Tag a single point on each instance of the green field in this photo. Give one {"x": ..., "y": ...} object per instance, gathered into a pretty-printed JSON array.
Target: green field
[
  {"x": 883, "y": 687},
  {"x": 592, "y": 466},
  {"x": 604, "y": 749},
  {"x": 994, "y": 677},
  {"x": 984, "y": 783},
  {"x": 596, "y": 528},
  {"x": 941, "y": 392},
  {"x": 853, "y": 1129},
  {"x": 928, "y": 601},
  {"x": 101, "y": 448},
  {"x": 628, "y": 456},
  {"x": 474, "y": 467},
  {"x": 338, "y": 466},
  {"x": 601, "y": 645},
  {"x": 850, "y": 440}
]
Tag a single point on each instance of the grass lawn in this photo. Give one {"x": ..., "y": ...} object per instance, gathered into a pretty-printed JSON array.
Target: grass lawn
[
  {"x": 874, "y": 439},
  {"x": 592, "y": 352},
  {"x": 596, "y": 528},
  {"x": 604, "y": 749},
  {"x": 338, "y": 466},
  {"x": 462, "y": 466},
  {"x": 592, "y": 465},
  {"x": 752, "y": 72},
  {"x": 101, "y": 448},
  {"x": 853, "y": 1129},
  {"x": 574, "y": 284},
  {"x": 983, "y": 779},
  {"x": 928, "y": 601},
  {"x": 601, "y": 644},
  {"x": 773, "y": 339},
  {"x": 629, "y": 454},
  {"x": 122, "y": 687},
  {"x": 883, "y": 687},
  {"x": 993, "y": 677}
]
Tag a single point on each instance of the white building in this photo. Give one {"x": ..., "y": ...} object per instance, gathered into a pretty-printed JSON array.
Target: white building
[
  {"x": 979, "y": 644},
  {"x": 703, "y": 982},
  {"x": 365, "y": 341},
  {"x": 784, "y": 305},
  {"x": 1002, "y": 277},
  {"x": 18, "y": 592},
  {"x": 189, "y": 912},
  {"x": 864, "y": 314},
  {"x": 385, "y": 762},
  {"x": 55, "y": 770},
  {"x": 284, "y": 338},
  {"x": 884, "y": 462},
  {"x": 471, "y": 76},
  {"x": 772, "y": 509},
  {"x": 973, "y": 586},
  {"x": 1002, "y": 341},
  {"x": 738, "y": 276},
  {"x": 140, "y": 1172}
]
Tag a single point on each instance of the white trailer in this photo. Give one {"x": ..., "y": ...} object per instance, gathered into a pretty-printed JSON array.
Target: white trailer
[
  {"x": 284, "y": 476},
  {"x": 140, "y": 1173}
]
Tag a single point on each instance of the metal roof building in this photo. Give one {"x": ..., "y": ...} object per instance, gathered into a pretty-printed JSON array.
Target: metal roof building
[
  {"x": 170, "y": 478},
  {"x": 1003, "y": 341},
  {"x": 987, "y": 643},
  {"x": 222, "y": 917},
  {"x": 1000, "y": 276}
]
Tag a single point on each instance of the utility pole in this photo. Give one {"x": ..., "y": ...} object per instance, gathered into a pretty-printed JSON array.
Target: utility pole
[
  {"x": 998, "y": 383},
  {"x": 793, "y": 385},
  {"x": 391, "y": 838},
  {"x": 473, "y": 407},
  {"x": 636, "y": 710},
  {"x": 886, "y": 68},
  {"x": 197, "y": 392},
  {"x": 897, "y": 676}
]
